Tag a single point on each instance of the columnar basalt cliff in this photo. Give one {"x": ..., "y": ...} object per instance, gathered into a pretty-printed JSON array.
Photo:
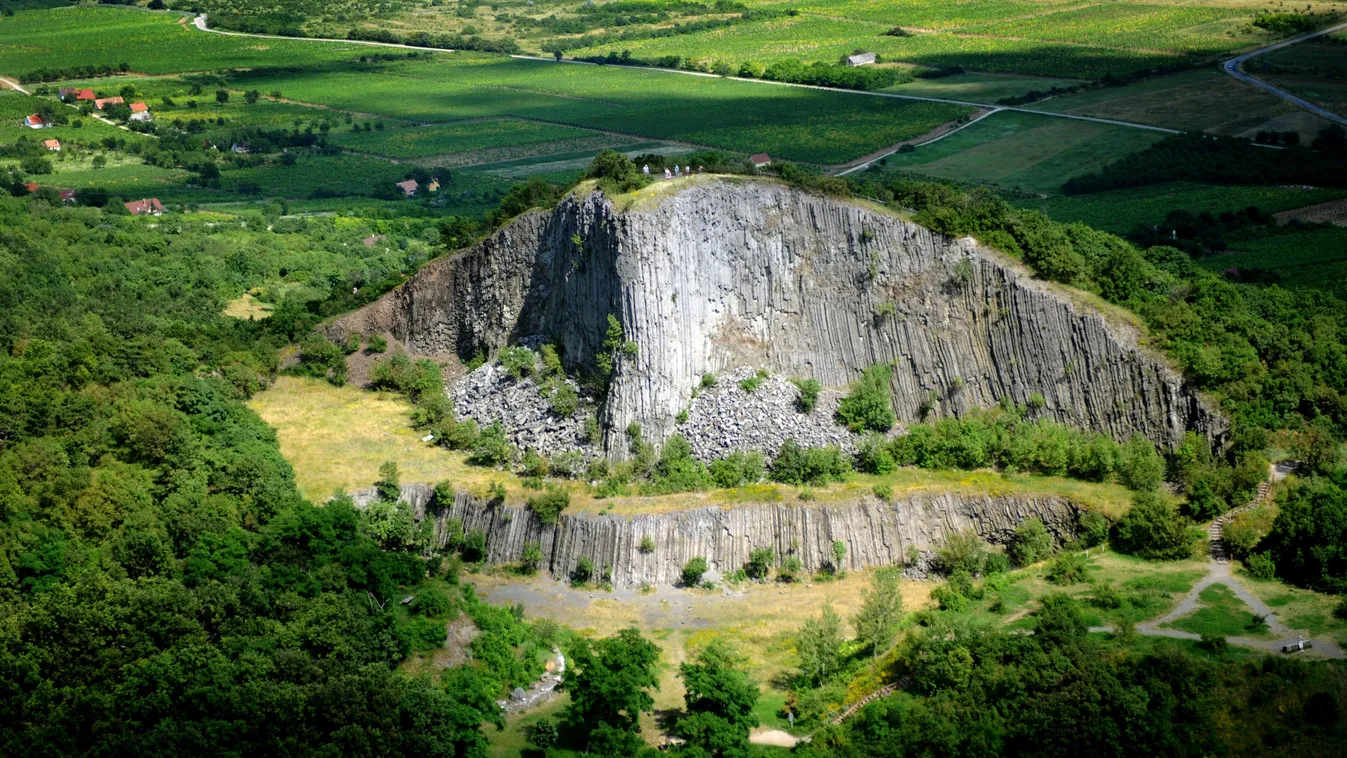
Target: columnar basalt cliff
[
  {"x": 731, "y": 272},
  {"x": 875, "y": 533}
]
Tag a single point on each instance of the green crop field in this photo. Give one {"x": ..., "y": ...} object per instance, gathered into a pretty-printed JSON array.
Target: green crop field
[
  {"x": 1170, "y": 29},
  {"x": 1315, "y": 259},
  {"x": 790, "y": 122},
  {"x": 425, "y": 141},
  {"x": 978, "y": 87},
  {"x": 150, "y": 43},
  {"x": 1122, "y": 210},
  {"x": 1023, "y": 151}
]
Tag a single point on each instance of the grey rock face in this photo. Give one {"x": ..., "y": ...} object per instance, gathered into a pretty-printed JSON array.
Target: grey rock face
[
  {"x": 875, "y": 533},
  {"x": 737, "y": 273}
]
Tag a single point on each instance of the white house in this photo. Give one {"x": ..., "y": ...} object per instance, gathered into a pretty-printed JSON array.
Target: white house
[
  {"x": 860, "y": 59},
  {"x": 35, "y": 122}
]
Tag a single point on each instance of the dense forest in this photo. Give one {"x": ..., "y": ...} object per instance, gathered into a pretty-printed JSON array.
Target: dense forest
[{"x": 165, "y": 589}]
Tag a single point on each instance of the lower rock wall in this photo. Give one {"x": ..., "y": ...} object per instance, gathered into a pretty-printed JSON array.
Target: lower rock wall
[{"x": 875, "y": 533}]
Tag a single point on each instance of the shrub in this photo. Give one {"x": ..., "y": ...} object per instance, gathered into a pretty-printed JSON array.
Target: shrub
[
  {"x": 1154, "y": 529},
  {"x": 708, "y": 381},
  {"x": 962, "y": 551},
  {"x": 791, "y": 568},
  {"x": 1106, "y": 596},
  {"x": 565, "y": 400},
  {"x": 531, "y": 557},
  {"x": 1030, "y": 543},
  {"x": 996, "y": 563},
  {"x": 542, "y": 735},
  {"x": 677, "y": 470},
  {"x": 1214, "y": 643},
  {"x": 737, "y": 469},
  {"x": 549, "y": 505},
  {"x": 474, "y": 546},
  {"x": 808, "y": 397},
  {"x": 584, "y": 570},
  {"x": 870, "y": 403},
  {"x": 518, "y": 361},
  {"x": 693, "y": 571},
  {"x": 534, "y": 465},
  {"x": 1261, "y": 566},
  {"x": 1068, "y": 568},
  {"x": 752, "y": 383},
  {"x": 760, "y": 563},
  {"x": 884, "y": 492},
  {"x": 431, "y": 602},
  {"x": 647, "y": 545},
  {"x": 570, "y": 464},
  {"x": 817, "y": 466},
  {"x": 873, "y": 456},
  {"x": 1091, "y": 528},
  {"x": 377, "y": 343},
  {"x": 1143, "y": 469},
  {"x": 491, "y": 448}
]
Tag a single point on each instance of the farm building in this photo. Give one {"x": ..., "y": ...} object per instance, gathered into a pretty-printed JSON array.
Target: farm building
[
  {"x": 34, "y": 122},
  {"x": 760, "y": 160},
  {"x": 103, "y": 102},
  {"x": 72, "y": 93},
  {"x": 408, "y": 187},
  {"x": 140, "y": 112},
  {"x": 30, "y": 186},
  {"x": 434, "y": 185},
  {"x": 67, "y": 196},
  {"x": 150, "y": 205},
  {"x": 240, "y": 147},
  {"x": 52, "y": 145},
  {"x": 860, "y": 59}
]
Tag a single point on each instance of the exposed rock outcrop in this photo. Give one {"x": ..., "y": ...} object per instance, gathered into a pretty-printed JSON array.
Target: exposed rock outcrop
[
  {"x": 728, "y": 273},
  {"x": 875, "y": 533}
]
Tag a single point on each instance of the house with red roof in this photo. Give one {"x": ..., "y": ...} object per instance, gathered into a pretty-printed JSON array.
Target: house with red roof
[
  {"x": 103, "y": 102},
  {"x": 31, "y": 187},
  {"x": 760, "y": 160},
  {"x": 149, "y": 205},
  {"x": 408, "y": 187},
  {"x": 73, "y": 93},
  {"x": 67, "y": 196},
  {"x": 34, "y": 121},
  {"x": 52, "y": 145},
  {"x": 140, "y": 112}
]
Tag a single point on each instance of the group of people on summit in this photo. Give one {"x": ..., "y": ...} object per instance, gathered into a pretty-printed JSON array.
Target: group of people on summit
[{"x": 677, "y": 171}]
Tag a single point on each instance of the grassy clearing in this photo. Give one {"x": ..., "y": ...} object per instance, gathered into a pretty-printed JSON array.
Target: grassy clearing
[
  {"x": 1221, "y": 613},
  {"x": 1122, "y": 210},
  {"x": 1299, "y": 609},
  {"x": 248, "y": 308},
  {"x": 336, "y": 437},
  {"x": 1023, "y": 151}
]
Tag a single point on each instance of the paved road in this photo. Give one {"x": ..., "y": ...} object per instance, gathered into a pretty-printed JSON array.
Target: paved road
[{"x": 1232, "y": 67}]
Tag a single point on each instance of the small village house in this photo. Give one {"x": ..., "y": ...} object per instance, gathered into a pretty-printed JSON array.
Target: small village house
[
  {"x": 72, "y": 93},
  {"x": 104, "y": 102},
  {"x": 30, "y": 186},
  {"x": 149, "y": 206},
  {"x": 140, "y": 112},
  {"x": 67, "y": 196},
  {"x": 860, "y": 59},
  {"x": 434, "y": 185},
  {"x": 34, "y": 121},
  {"x": 408, "y": 187},
  {"x": 52, "y": 145},
  {"x": 760, "y": 160}
]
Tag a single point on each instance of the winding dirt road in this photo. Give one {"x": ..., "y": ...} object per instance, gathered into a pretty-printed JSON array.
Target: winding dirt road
[{"x": 1232, "y": 67}]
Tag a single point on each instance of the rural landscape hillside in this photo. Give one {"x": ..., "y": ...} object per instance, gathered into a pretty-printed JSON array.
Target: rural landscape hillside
[{"x": 726, "y": 379}]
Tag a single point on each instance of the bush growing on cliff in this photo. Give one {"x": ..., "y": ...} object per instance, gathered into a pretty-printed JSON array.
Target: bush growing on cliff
[
  {"x": 1031, "y": 542},
  {"x": 737, "y": 469},
  {"x": 870, "y": 403},
  {"x": 808, "y": 397},
  {"x": 491, "y": 448},
  {"x": 677, "y": 470},
  {"x": 760, "y": 562},
  {"x": 814, "y": 466},
  {"x": 549, "y": 505},
  {"x": 693, "y": 571},
  {"x": 616, "y": 172},
  {"x": 518, "y": 361}
]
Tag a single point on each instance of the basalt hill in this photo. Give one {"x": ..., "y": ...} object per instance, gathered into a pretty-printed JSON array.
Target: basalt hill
[{"x": 725, "y": 274}]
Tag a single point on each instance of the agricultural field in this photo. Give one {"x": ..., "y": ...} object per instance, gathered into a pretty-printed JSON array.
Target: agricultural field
[
  {"x": 1122, "y": 210},
  {"x": 1206, "y": 100},
  {"x": 978, "y": 87},
  {"x": 1313, "y": 259},
  {"x": 791, "y": 122},
  {"x": 427, "y": 141},
  {"x": 1315, "y": 70},
  {"x": 148, "y": 43},
  {"x": 1023, "y": 151}
]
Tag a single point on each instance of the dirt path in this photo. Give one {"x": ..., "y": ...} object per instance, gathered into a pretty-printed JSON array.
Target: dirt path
[
  {"x": 935, "y": 135},
  {"x": 775, "y": 738},
  {"x": 1218, "y": 572},
  {"x": 13, "y": 85}
]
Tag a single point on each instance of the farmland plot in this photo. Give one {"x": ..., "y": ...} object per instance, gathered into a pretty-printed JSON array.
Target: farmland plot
[
  {"x": 150, "y": 43},
  {"x": 425, "y": 141}
]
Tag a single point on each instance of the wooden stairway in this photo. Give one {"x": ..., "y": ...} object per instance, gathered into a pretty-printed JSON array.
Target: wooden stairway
[{"x": 884, "y": 691}]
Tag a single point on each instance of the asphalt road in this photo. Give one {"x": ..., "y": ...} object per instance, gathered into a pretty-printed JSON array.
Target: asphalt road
[{"x": 1232, "y": 67}]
